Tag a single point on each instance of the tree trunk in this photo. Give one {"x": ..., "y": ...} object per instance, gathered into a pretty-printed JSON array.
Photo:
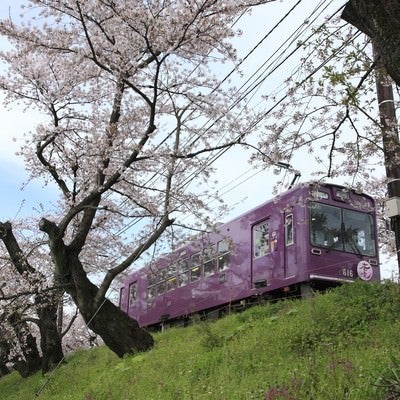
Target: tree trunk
[
  {"x": 50, "y": 338},
  {"x": 4, "y": 358},
  {"x": 29, "y": 361},
  {"x": 380, "y": 20},
  {"x": 119, "y": 332},
  {"x": 46, "y": 307}
]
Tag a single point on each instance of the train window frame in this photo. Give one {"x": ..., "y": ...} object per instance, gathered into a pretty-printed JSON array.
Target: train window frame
[
  {"x": 150, "y": 290},
  {"x": 171, "y": 283},
  {"x": 151, "y": 278},
  {"x": 261, "y": 239},
  {"x": 195, "y": 273},
  {"x": 289, "y": 229},
  {"x": 341, "y": 238},
  {"x": 183, "y": 279},
  {"x": 172, "y": 271},
  {"x": 183, "y": 272},
  {"x": 209, "y": 259},
  {"x": 196, "y": 265},
  {"x": 132, "y": 294},
  {"x": 162, "y": 274},
  {"x": 161, "y": 287},
  {"x": 223, "y": 255},
  {"x": 182, "y": 265}
]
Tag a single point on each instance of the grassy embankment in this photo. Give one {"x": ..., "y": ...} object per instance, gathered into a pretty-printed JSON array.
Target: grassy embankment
[{"x": 340, "y": 345}]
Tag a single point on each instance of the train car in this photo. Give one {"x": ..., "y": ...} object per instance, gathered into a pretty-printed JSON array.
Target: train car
[{"x": 312, "y": 236}]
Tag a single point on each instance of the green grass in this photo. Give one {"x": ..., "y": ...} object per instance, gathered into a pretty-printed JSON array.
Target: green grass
[{"x": 339, "y": 345}]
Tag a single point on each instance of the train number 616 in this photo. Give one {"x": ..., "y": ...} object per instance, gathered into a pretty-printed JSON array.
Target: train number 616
[{"x": 347, "y": 272}]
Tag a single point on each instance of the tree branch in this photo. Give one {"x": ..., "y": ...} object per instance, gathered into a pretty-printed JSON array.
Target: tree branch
[
  {"x": 112, "y": 273},
  {"x": 17, "y": 256}
]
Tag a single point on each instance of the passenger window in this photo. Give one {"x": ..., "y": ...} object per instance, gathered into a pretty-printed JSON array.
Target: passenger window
[
  {"x": 195, "y": 271},
  {"x": 161, "y": 288},
  {"x": 210, "y": 261},
  {"x": 132, "y": 294},
  {"x": 151, "y": 279},
  {"x": 289, "y": 237},
  {"x": 151, "y": 292},
  {"x": 183, "y": 272},
  {"x": 196, "y": 260},
  {"x": 195, "y": 274},
  {"x": 172, "y": 270},
  {"x": 171, "y": 283},
  {"x": 183, "y": 266},
  {"x": 183, "y": 279},
  {"x": 223, "y": 254},
  {"x": 260, "y": 239},
  {"x": 162, "y": 275}
]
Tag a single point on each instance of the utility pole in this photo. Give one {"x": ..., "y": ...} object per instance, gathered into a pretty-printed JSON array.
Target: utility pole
[{"x": 391, "y": 146}]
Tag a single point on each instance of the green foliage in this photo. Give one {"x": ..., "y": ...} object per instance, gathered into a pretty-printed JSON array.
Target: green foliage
[
  {"x": 345, "y": 315},
  {"x": 339, "y": 345},
  {"x": 390, "y": 381}
]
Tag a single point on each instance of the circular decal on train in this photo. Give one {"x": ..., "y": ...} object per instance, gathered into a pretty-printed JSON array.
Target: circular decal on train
[{"x": 364, "y": 270}]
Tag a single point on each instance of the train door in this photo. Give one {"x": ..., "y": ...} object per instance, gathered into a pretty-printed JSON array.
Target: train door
[
  {"x": 290, "y": 260},
  {"x": 263, "y": 254}
]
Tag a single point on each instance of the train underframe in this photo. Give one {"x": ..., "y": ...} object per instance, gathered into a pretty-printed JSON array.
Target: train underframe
[{"x": 300, "y": 290}]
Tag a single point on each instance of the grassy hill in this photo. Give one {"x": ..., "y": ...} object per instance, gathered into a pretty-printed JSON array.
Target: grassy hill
[{"x": 339, "y": 345}]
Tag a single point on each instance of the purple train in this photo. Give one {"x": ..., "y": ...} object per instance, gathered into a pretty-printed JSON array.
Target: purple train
[{"x": 312, "y": 236}]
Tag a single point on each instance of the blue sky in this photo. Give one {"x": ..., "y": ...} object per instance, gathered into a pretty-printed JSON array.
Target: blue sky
[{"x": 14, "y": 200}]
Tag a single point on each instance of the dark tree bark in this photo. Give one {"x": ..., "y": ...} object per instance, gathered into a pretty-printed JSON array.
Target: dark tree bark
[
  {"x": 119, "y": 332},
  {"x": 46, "y": 307},
  {"x": 380, "y": 20},
  {"x": 50, "y": 337},
  {"x": 31, "y": 361},
  {"x": 4, "y": 357}
]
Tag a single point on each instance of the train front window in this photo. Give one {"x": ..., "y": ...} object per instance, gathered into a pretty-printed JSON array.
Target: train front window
[
  {"x": 342, "y": 229},
  {"x": 359, "y": 232}
]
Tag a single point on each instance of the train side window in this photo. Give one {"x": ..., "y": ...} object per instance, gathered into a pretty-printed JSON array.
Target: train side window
[
  {"x": 209, "y": 261},
  {"x": 183, "y": 266},
  {"x": 260, "y": 239},
  {"x": 132, "y": 294},
  {"x": 223, "y": 254},
  {"x": 151, "y": 292},
  {"x": 183, "y": 273},
  {"x": 161, "y": 287},
  {"x": 171, "y": 283},
  {"x": 289, "y": 232},
  {"x": 151, "y": 278},
  {"x": 195, "y": 271},
  {"x": 195, "y": 274},
  {"x": 172, "y": 270},
  {"x": 183, "y": 279}
]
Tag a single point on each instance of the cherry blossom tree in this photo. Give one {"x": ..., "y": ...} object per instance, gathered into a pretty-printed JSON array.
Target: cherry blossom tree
[
  {"x": 28, "y": 297},
  {"x": 134, "y": 114}
]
